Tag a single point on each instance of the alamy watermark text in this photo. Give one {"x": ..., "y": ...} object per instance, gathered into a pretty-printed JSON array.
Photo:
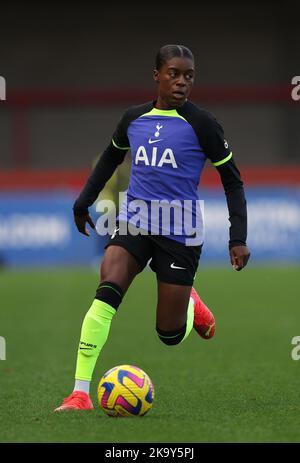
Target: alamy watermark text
[
  {"x": 296, "y": 89},
  {"x": 2, "y": 348},
  {"x": 2, "y": 88},
  {"x": 295, "y": 354}
]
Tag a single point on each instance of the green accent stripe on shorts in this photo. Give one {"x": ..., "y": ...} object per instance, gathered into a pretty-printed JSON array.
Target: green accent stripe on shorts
[{"x": 219, "y": 163}]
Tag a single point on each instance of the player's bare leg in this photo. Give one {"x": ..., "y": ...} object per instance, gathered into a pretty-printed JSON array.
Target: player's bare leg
[
  {"x": 179, "y": 309},
  {"x": 119, "y": 266}
]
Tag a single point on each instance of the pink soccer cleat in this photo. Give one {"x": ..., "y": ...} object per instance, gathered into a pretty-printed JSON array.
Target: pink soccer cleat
[
  {"x": 204, "y": 321},
  {"x": 78, "y": 400}
]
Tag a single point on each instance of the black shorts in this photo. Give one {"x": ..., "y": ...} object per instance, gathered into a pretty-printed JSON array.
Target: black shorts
[{"x": 173, "y": 262}]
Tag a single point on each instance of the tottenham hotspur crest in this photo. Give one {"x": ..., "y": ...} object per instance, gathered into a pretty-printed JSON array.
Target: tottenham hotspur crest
[{"x": 156, "y": 135}]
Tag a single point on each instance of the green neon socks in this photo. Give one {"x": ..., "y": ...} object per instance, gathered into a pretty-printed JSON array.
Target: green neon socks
[
  {"x": 190, "y": 319},
  {"x": 94, "y": 333}
]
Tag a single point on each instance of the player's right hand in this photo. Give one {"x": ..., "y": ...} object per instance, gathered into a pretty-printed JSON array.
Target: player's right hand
[{"x": 81, "y": 220}]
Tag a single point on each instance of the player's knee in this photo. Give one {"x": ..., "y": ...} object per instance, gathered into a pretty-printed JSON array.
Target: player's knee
[
  {"x": 171, "y": 338},
  {"x": 109, "y": 292}
]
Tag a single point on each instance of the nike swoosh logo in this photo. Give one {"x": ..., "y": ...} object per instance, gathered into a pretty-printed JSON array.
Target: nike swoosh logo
[
  {"x": 154, "y": 141},
  {"x": 114, "y": 233},
  {"x": 179, "y": 268}
]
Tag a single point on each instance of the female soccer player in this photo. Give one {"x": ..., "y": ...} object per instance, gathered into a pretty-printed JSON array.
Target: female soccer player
[{"x": 170, "y": 139}]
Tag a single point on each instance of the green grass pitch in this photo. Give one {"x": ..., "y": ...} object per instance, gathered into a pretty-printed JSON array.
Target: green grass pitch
[{"x": 241, "y": 386}]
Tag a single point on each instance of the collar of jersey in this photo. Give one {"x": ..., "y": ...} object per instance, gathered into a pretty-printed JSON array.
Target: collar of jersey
[{"x": 163, "y": 112}]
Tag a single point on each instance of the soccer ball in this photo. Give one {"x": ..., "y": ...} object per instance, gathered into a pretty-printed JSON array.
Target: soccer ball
[{"x": 125, "y": 390}]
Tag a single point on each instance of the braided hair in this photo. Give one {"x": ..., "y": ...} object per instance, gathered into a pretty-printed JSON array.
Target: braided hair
[{"x": 172, "y": 51}]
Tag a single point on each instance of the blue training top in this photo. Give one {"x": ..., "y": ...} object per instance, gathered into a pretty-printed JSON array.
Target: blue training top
[{"x": 169, "y": 149}]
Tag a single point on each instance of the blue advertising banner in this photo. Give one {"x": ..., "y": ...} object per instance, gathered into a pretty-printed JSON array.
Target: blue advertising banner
[
  {"x": 273, "y": 225},
  {"x": 38, "y": 228}
]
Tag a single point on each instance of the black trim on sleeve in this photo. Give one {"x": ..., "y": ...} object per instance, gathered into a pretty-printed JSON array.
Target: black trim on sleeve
[
  {"x": 208, "y": 130},
  {"x": 236, "y": 202},
  {"x": 211, "y": 139},
  {"x": 102, "y": 172},
  {"x": 120, "y": 134},
  {"x": 109, "y": 161}
]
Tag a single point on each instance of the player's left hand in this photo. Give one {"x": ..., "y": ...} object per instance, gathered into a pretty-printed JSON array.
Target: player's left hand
[
  {"x": 239, "y": 256},
  {"x": 81, "y": 220}
]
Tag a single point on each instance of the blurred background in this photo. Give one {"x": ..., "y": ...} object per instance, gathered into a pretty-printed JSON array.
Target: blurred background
[{"x": 71, "y": 71}]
